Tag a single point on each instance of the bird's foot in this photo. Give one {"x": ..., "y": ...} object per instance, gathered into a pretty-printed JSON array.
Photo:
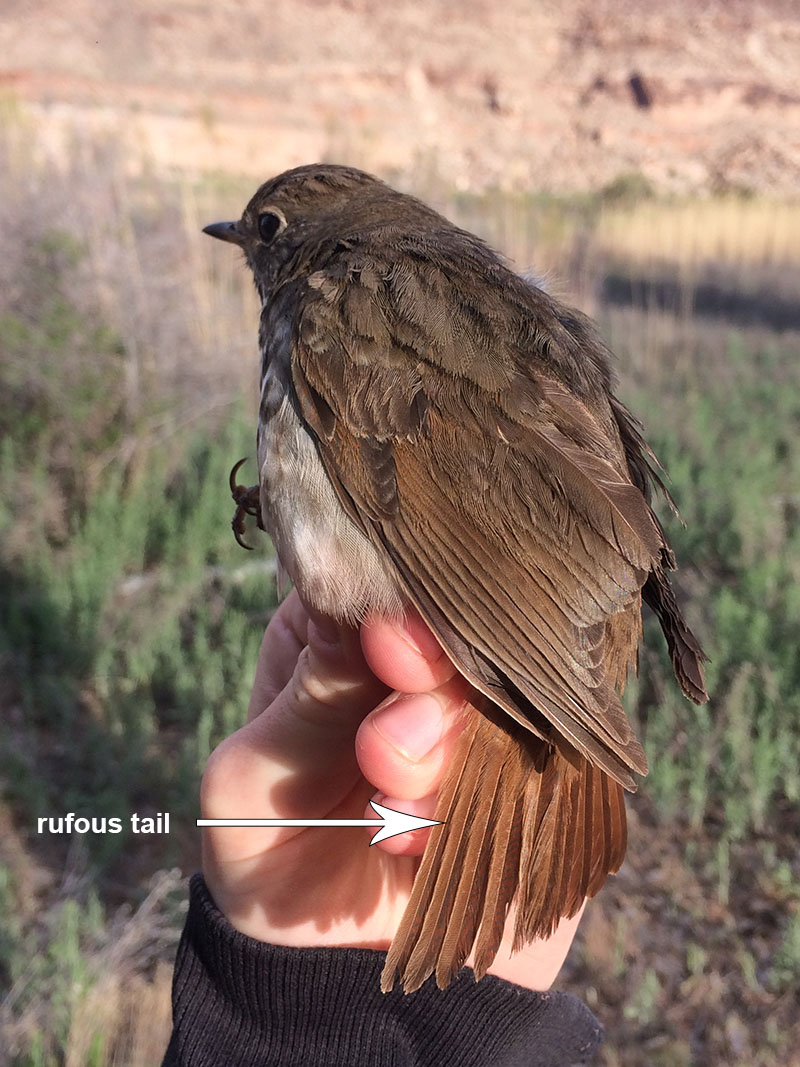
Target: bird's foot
[{"x": 247, "y": 502}]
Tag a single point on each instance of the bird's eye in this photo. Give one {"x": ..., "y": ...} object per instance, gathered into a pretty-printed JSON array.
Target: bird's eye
[{"x": 270, "y": 223}]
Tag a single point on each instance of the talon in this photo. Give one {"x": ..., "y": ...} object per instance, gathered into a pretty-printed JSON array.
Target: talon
[
  {"x": 232, "y": 478},
  {"x": 239, "y": 527},
  {"x": 247, "y": 503},
  {"x": 245, "y": 497}
]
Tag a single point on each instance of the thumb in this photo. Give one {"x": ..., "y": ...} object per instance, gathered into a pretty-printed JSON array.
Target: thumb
[{"x": 297, "y": 752}]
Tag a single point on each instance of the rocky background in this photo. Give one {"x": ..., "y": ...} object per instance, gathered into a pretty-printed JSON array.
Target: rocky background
[{"x": 553, "y": 95}]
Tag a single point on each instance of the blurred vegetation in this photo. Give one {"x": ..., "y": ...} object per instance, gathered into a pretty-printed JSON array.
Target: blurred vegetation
[
  {"x": 130, "y": 620},
  {"x": 727, "y": 430}
]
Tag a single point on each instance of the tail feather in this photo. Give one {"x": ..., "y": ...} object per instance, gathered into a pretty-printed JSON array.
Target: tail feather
[
  {"x": 579, "y": 871},
  {"x": 434, "y": 891},
  {"x": 502, "y": 878},
  {"x": 463, "y": 917},
  {"x": 543, "y": 830},
  {"x": 519, "y": 816}
]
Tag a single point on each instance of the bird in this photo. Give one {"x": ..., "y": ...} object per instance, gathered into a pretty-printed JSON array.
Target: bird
[{"x": 436, "y": 431}]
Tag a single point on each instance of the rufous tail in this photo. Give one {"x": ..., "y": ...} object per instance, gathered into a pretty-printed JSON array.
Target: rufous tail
[{"x": 520, "y": 817}]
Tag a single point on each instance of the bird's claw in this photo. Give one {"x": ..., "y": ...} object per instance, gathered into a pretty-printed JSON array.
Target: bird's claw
[{"x": 247, "y": 503}]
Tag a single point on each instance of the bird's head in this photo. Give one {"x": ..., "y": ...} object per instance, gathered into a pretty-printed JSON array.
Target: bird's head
[{"x": 299, "y": 211}]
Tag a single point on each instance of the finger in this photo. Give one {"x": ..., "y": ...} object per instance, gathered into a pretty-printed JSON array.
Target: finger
[
  {"x": 403, "y": 746},
  {"x": 284, "y": 639},
  {"x": 296, "y": 759},
  {"x": 404, "y": 653},
  {"x": 336, "y": 679},
  {"x": 335, "y": 650},
  {"x": 536, "y": 964},
  {"x": 413, "y": 842}
]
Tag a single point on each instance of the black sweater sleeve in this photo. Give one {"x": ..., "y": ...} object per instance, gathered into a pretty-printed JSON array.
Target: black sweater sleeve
[{"x": 242, "y": 1003}]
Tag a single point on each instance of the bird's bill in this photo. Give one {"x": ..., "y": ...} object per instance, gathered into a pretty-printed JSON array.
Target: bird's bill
[{"x": 225, "y": 231}]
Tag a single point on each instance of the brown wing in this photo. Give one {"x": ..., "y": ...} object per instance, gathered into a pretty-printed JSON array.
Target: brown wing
[{"x": 503, "y": 500}]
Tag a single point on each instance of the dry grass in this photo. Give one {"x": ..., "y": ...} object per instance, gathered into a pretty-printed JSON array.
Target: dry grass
[
  {"x": 694, "y": 233},
  {"x": 98, "y": 980},
  {"x": 124, "y": 1021}
]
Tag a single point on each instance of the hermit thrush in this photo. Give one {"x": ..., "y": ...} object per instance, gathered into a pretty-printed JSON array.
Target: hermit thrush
[{"x": 436, "y": 431}]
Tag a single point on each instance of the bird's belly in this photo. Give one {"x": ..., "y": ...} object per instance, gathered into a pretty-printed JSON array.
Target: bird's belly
[{"x": 334, "y": 566}]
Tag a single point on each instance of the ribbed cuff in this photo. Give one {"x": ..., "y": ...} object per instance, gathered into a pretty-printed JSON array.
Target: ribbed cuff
[{"x": 240, "y": 1003}]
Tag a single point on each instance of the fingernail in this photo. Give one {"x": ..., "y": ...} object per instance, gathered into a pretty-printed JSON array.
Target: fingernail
[
  {"x": 413, "y": 724},
  {"x": 416, "y": 634}
]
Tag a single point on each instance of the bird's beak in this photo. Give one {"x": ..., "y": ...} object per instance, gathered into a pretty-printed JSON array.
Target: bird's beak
[{"x": 225, "y": 231}]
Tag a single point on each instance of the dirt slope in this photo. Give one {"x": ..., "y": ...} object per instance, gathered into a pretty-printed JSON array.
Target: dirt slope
[{"x": 565, "y": 95}]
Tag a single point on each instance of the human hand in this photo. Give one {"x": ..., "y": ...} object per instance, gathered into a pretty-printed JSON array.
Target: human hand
[{"x": 324, "y": 732}]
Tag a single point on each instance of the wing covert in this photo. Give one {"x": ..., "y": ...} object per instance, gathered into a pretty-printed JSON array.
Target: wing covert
[{"x": 502, "y": 499}]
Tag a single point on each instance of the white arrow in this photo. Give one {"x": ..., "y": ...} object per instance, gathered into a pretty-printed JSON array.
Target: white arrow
[{"x": 391, "y": 822}]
